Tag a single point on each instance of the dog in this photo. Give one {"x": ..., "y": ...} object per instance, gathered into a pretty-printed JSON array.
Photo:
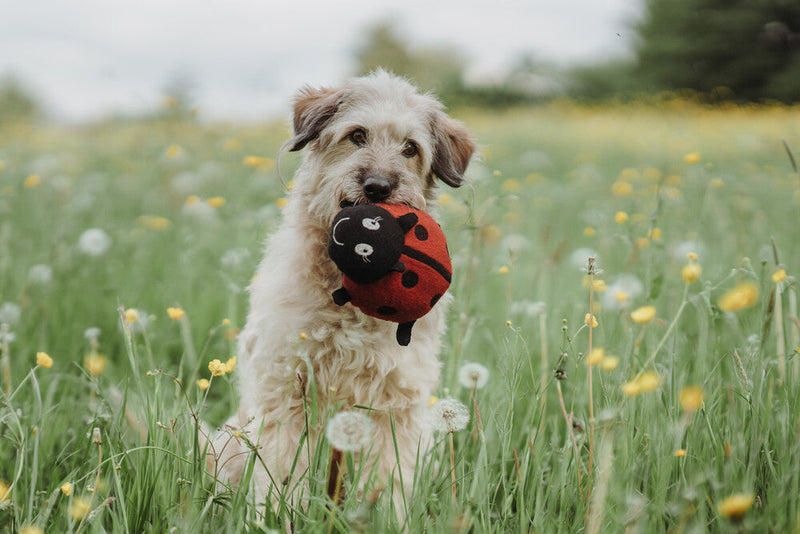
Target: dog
[{"x": 373, "y": 139}]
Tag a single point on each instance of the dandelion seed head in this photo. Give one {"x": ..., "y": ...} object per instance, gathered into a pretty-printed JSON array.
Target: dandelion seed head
[
  {"x": 449, "y": 415},
  {"x": 473, "y": 375},
  {"x": 10, "y": 313},
  {"x": 40, "y": 274},
  {"x": 349, "y": 431},
  {"x": 94, "y": 242},
  {"x": 91, "y": 333}
]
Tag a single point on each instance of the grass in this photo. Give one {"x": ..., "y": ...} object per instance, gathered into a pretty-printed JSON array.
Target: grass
[{"x": 545, "y": 197}]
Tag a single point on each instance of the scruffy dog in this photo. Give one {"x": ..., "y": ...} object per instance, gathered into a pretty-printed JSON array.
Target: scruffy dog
[{"x": 374, "y": 139}]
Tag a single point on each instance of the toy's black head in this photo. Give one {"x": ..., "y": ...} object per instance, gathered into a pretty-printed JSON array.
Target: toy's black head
[{"x": 366, "y": 242}]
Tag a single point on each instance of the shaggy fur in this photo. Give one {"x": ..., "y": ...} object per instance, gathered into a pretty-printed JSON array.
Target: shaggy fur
[{"x": 355, "y": 359}]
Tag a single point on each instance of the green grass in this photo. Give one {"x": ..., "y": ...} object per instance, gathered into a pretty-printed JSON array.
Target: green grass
[{"x": 546, "y": 175}]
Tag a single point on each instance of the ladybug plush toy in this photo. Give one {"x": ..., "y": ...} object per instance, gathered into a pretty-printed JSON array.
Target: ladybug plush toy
[{"x": 394, "y": 262}]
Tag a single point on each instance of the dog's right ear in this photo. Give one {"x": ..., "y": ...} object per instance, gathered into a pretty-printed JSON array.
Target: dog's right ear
[{"x": 313, "y": 109}]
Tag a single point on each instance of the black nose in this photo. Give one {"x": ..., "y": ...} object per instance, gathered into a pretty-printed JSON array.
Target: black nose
[{"x": 377, "y": 188}]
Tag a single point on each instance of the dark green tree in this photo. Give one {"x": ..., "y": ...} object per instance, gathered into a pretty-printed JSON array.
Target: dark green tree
[
  {"x": 16, "y": 101},
  {"x": 751, "y": 47}
]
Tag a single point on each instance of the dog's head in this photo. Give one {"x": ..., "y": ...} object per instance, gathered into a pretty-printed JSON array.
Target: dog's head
[{"x": 375, "y": 139}]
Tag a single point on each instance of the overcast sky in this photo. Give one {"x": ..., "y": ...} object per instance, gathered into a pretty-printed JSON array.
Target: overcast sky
[{"x": 86, "y": 58}]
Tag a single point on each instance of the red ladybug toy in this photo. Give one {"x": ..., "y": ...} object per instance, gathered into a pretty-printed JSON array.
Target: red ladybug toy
[{"x": 394, "y": 261}]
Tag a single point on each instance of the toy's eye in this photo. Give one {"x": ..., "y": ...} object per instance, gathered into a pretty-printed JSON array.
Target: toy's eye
[
  {"x": 371, "y": 224},
  {"x": 364, "y": 250}
]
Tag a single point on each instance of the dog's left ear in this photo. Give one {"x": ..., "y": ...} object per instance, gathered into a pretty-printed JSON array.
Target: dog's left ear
[
  {"x": 452, "y": 149},
  {"x": 313, "y": 109}
]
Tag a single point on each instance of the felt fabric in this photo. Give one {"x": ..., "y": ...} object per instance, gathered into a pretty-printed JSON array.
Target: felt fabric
[{"x": 411, "y": 282}]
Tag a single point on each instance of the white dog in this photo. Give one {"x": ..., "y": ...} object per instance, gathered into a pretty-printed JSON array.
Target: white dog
[{"x": 374, "y": 139}]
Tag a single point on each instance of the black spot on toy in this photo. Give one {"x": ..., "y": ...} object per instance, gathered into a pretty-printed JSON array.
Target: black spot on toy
[{"x": 394, "y": 262}]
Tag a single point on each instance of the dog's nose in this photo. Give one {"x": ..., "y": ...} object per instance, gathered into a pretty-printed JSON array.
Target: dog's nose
[{"x": 377, "y": 188}]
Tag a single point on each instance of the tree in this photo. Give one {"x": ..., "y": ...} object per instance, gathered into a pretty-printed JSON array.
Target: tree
[
  {"x": 16, "y": 101},
  {"x": 750, "y": 46}
]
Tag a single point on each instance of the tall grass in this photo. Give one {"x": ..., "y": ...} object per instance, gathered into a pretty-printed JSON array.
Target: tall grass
[{"x": 716, "y": 182}]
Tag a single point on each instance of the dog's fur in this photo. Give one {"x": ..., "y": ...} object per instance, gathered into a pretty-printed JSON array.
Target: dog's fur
[{"x": 355, "y": 359}]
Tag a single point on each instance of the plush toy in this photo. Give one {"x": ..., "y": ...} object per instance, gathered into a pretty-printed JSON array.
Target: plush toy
[{"x": 394, "y": 261}]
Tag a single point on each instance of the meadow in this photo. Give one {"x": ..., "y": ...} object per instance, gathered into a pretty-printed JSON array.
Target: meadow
[{"x": 677, "y": 412}]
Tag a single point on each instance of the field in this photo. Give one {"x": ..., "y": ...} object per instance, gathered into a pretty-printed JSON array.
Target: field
[{"x": 693, "y": 399}]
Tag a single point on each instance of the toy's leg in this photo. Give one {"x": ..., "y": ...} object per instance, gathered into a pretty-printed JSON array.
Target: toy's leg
[
  {"x": 341, "y": 296},
  {"x": 404, "y": 333}
]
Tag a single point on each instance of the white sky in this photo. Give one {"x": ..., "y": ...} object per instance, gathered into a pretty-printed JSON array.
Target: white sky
[{"x": 245, "y": 58}]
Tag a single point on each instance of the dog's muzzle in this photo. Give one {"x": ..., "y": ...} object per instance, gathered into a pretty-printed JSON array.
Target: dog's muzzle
[{"x": 377, "y": 188}]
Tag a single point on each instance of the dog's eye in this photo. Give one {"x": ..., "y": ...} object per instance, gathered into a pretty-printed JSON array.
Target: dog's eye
[
  {"x": 371, "y": 223},
  {"x": 358, "y": 137},
  {"x": 410, "y": 150}
]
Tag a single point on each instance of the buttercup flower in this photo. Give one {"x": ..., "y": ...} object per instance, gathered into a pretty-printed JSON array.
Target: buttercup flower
[
  {"x": 43, "y": 360},
  {"x": 609, "y": 363},
  {"x": 779, "y": 276},
  {"x": 691, "y": 398},
  {"x": 590, "y": 320},
  {"x": 449, "y": 415},
  {"x": 644, "y": 314},
  {"x": 349, "y": 431},
  {"x": 79, "y": 508},
  {"x": 596, "y": 356},
  {"x": 735, "y": 506},
  {"x": 175, "y": 313},
  {"x": 203, "y": 383},
  {"x": 691, "y": 272},
  {"x": 131, "y": 315},
  {"x": 216, "y": 367},
  {"x": 680, "y": 453},
  {"x": 473, "y": 375},
  {"x": 66, "y": 489},
  {"x": 692, "y": 158},
  {"x": 621, "y": 217},
  {"x": 94, "y": 363},
  {"x": 744, "y": 295},
  {"x": 3, "y": 491}
]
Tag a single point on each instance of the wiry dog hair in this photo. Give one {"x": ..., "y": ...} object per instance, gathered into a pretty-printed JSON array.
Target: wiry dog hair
[{"x": 372, "y": 131}]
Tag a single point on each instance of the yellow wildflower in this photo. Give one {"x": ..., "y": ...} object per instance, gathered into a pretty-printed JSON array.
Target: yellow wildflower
[
  {"x": 496, "y": 173},
  {"x": 3, "y": 491},
  {"x": 95, "y": 363},
  {"x": 173, "y": 151},
  {"x": 691, "y": 398},
  {"x": 628, "y": 174},
  {"x": 511, "y": 185},
  {"x": 692, "y": 158},
  {"x": 216, "y": 202},
  {"x": 232, "y": 145},
  {"x": 631, "y": 389},
  {"x": 691, "y": 256},
  {"x": 154, "y": 222},
  {"x": 648, "y": 381},
  {"x": 735, "y": 506},
  {"x": 674, "y": 180},
  {"x": 680, "y": 453},
  {"x": 445, "y": 199},
  {"x": 599, "y": 285},
  {"x": 32, "y": 181},
  {"x": 258, "y": 162},
  {"x": 203, "y": 383},
  {"x": 652, "y": 174},
  {"x": 43, "y": 360},
  {"x": 31, "y": 529},
  {"x": 691, "y": 272},
  {"x": 655, "y": 233},
  {"x": 590, "y": 320},
  {"x": 716, "y": 182},
  {"x": 226, "y": 322},
  {"x": 744, "y": 295},
  {"x": 779, "y": 275},
  {"x": 230, "y": 364},
  {"x": 281, "y": 202},
  {"x": 66, "y": 489},
  {"x": 433, "y": 400},
  {"x": 621, "y": 217},
  {"x": 503, "y": 270},
  {"x": 303, "y": 336},
  {"x": 609, "y": 363},
  {"x": 642, "y": 242},
  {"x": 596, "y": 356},
  {"x": 621, "y": 296},
  {"x": 491, "y": 234},
  {"x": 217, "y": 368},
  {"x": 621, "y": 188},
  {"x": 192, "y": 199},
  {"x": 80, "y": 508},
  {"x": 644, "y": 314},
  {"x": 2, "y": 164},
  {"x": 175, "y": 313},
  {"x": 589, "y": 231}
]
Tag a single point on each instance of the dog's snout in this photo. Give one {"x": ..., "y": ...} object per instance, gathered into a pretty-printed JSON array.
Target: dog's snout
[{"x": 377, "y": 188}]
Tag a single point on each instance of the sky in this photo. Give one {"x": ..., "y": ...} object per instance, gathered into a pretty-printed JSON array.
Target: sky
[{"x": 244, "y": 59}]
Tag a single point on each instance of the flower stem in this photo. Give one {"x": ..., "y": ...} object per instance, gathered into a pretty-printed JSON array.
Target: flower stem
[
  {"x": 452, "y": 467},
  {"x": 652, "y": 357}
]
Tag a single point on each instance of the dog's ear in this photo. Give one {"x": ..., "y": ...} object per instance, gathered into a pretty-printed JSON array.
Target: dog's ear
[
  {"x": 313, "y": 109},
  {"x": 452, "y": 149}
]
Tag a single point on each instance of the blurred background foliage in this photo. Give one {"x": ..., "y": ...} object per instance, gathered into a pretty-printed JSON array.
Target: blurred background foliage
[{"x": 709, "y": 50}]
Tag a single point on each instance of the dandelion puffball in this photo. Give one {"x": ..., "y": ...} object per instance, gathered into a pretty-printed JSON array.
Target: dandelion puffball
[
  {"x": 94, "y": 242},
  {"x": 449, "y": 415},
  {"x": 349, "y": 431},
  {"x": 473, "y": 375}
]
